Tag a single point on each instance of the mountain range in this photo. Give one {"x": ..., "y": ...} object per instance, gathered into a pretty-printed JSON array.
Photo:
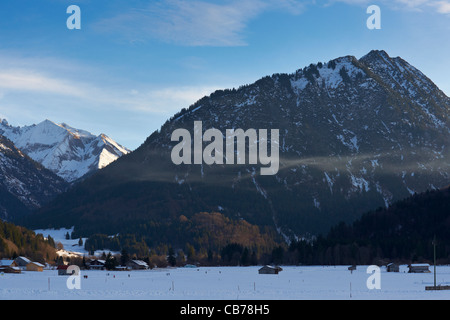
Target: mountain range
[
  {"x": 41, "y": 161},
  {"x": 68, "y": 152},
  {"x": 355, "y": 134}
]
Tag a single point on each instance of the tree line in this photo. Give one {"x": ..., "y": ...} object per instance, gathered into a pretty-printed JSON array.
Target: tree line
[
  {"x": 402, "y": 233},
  {"x": 18, "y": 241}
]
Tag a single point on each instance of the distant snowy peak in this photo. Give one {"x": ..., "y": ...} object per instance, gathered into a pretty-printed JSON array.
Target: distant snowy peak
[{"x": 69, "y": 152}]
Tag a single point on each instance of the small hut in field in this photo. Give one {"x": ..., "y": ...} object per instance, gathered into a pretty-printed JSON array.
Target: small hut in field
[
  {"x": 393, "y": 267},
  {"x": 270, "y": 270},
  {"x": 419, "y": 268}
]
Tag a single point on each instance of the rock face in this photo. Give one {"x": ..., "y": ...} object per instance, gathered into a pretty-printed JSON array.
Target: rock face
[
  {"x": 25, "y": 185},
  {"x": 68, "y": 152},
  {"x": 355, "y": 134}
]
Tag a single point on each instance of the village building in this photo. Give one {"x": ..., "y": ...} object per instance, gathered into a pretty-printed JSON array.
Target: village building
[
  {"x": 419, "y": 268},
  {"x": 137, "y": 265},
  {"x": 9, "y": 266},
  {"x": 97, "y": 264},
  {"x": 9, "y": 269},
  {"x": 22, "y": 262},
  {"x": 270, "y": 270},
  {"x": 393, "y": 267},
  {"x": 35, "y": 266}
]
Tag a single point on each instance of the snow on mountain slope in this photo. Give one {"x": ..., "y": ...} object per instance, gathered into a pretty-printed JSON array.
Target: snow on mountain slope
[
  {"x": 355, "y": 135},
  {"x": 25, "y": 185},
  {"x": 70, "y": 153}
]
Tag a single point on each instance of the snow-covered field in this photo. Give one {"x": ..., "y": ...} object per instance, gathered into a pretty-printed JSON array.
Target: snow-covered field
[
  {"x": 219, "y": 283},
  {"x": 225, "y": 283}
]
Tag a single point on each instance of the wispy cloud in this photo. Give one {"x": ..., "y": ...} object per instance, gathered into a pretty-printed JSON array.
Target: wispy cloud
[
  {"x": 442, "y": 6},
  {"x": 29, "y": 81},
  {"x": 439, "y": 6},
  {"x": 129, "y": 110},
  {"x": 220, "y": 23},
  {"x": 194, "y": 23},
  {"x": 23, "y": 80}
]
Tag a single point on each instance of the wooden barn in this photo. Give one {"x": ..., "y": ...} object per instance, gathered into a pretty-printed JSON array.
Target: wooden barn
[
  {"x": 35, "y": 266},
  {"x": 419, "y": 268},
  {"x": 270, "y": 270},
  {"x": 393, "y": 267},
  {"x": 8, "y": 269},
  {"x": 22, "y": 261},
  {"x": 9, "y": 266}
]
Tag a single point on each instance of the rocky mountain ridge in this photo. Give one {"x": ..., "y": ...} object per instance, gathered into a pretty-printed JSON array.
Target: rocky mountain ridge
[
  {"x": 355, "y": 134},
  {"x": 70, "y": 153}
]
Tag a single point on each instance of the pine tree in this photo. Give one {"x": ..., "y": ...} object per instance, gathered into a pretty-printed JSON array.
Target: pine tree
[
  {"x": 124, "y": 257},
  {"x": 111, "y": 262},
  {"x": 51, "y": 241},
  {"x": 171, "y": 257}
]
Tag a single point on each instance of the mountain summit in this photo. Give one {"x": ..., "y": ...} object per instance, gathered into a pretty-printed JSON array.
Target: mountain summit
[
  {"x": 70, "y": 153},
  {"x": 355, "y": 134}
]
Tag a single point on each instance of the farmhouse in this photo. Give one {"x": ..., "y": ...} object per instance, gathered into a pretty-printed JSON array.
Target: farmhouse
[
  {"x": 22, "y": 261},
  {"x": 97, "y": 264},
  {"x": 35, "y": 266},
  {"x": 270, "y": 270},
  {"x": 419, "y": 268},
  {"x": 137, "y": 265},
  {"x": 9, "y": 266}
]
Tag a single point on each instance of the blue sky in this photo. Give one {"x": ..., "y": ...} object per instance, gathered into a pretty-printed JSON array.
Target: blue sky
[{"x": 135, "y": 63}]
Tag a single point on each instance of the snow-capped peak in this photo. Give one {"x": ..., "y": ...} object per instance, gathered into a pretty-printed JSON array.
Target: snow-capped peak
[{"x": 69, "y": 152}]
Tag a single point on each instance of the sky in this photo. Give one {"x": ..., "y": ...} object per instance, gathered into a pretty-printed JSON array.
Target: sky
[{"x": 133, "y": 64}]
